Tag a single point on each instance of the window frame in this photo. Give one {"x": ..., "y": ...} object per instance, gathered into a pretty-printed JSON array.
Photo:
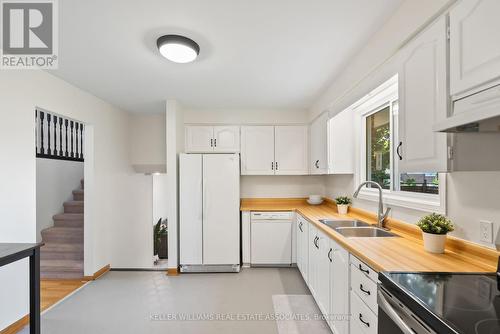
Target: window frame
[{"x": 383, "y": 96}]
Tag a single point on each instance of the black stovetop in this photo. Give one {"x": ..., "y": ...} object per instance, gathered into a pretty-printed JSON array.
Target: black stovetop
[{"x": 450, "y": 302}]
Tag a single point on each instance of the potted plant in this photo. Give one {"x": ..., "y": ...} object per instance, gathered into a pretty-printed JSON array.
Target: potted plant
[
  {"x": 160, "y": 234},
  {"x": 343, "y": 203},
  {"x": 434, "y": 229}
]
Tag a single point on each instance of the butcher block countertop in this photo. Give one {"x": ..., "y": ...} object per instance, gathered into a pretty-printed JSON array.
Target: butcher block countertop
[{"x": 387, "y": 254}]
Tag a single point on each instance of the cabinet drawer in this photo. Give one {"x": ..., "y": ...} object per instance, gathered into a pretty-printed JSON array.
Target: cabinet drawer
[
  {"x": 362, "y": 317},
  {"x": 361, "y": 266},
  {"x": 364, "y": 287}
]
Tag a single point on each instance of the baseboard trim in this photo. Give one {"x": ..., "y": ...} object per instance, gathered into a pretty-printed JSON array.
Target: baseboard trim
[
  {"x": 98, "y": 273},
  {"x": 172, "y": 272},
  {"x": 16, "y": 326}
]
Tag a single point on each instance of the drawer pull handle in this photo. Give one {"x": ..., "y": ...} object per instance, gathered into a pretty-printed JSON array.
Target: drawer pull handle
[
  {"x": 365, "y": 291},
  {"x": 367, "y": 324},
  {"x": 366, "y": 271},
  {"x": 329, "y": 255},
  {"x": 300, "y": 227}
]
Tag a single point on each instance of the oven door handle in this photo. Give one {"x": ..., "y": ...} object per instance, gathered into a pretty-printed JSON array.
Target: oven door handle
[{"x": 389, "y": 310}]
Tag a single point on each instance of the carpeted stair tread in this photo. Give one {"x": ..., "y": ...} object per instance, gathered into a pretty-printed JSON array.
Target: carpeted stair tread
[
  {"x": 61, "y": 266},
  {"x": 78, "y": 194},
  {"x": 73, "y": 207}
]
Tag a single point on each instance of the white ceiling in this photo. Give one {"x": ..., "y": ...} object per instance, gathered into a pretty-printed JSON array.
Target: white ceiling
[{"x": 273, "y": 54}]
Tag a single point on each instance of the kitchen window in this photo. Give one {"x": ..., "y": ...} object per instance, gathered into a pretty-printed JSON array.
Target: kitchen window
[{"x": 378, "y": 140}]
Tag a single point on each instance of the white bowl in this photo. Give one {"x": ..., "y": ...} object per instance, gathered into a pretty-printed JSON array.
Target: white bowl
[
  {"x": 315, "y": 202},
  {"x": 315, "y": 198}
]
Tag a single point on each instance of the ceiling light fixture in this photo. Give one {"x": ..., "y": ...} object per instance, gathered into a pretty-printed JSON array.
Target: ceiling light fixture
[{"x": 178, "y": 49}]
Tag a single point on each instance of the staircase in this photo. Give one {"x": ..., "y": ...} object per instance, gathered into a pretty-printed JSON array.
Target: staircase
[{"x": 62, "y": 254}]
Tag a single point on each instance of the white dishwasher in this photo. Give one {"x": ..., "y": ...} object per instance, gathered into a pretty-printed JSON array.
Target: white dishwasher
[{"x": 271, "y": 238}]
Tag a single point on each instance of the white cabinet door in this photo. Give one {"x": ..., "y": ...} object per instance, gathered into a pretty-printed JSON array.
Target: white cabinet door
[
  {"x": 227, "y": 139},
  {"x": 474, "y": 44},
  {"x": 341, "y": 143},
  {"x": 291, "y": 143},
  {"x": 299, "y": 229},
  {"x": 303, "y": 244},
  {"x": 257, "y": 150},
  {"x": 312, "y": 267},
  {"x": 318, "y": 163},
  {"x": 198, "y": 138},
  {"x": 323, "y": 268},
  {"x": 423, "y": 102},
  {"x": 339, "y": 289}
]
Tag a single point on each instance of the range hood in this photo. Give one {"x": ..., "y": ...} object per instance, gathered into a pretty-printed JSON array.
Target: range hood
[{"x": 479, "y": 112}]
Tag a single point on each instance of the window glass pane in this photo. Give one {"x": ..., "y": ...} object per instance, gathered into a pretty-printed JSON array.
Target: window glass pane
[
  {"x": 378, "y": 148},
  {"x": 427, "y": 183}
]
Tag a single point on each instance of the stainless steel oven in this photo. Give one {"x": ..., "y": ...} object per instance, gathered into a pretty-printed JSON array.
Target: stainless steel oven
[{"x": 395, "y": 318}]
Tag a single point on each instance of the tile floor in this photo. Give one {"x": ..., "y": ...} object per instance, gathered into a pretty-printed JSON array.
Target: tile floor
[{"x": 151, "y": 302}]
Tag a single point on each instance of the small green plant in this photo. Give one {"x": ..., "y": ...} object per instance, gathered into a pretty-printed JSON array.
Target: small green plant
[
  {"x": 435, "y": 224},
  {"x": 343, "y": 200},
  {"x": 411, "y": 182},
  {"x": 159, "y": 229}
]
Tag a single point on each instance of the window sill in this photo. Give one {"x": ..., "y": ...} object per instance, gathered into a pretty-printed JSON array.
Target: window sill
[{"x": 421, "y": 202}]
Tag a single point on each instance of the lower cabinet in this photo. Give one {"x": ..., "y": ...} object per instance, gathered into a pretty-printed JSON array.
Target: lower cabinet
[
  {"x": 327, "y": 267},
  {"x": 363, "y": 320},
  {"x": 313, "y": 257},
  {"x": 344, "y": 287},
  {"x": 339, "y": 289},
  {"x": 323, "y": 273},
  {"x": 302, "y": 238},
  {"x": 363, "y": 299}
]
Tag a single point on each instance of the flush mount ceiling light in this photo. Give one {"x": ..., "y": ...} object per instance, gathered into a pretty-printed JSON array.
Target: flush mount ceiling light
[{"x": 178, "y": 49}]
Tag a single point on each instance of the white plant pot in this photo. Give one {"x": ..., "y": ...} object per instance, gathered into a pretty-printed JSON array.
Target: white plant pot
[
  {"x": 434, "y": 243},
  {"x": 342, "y": 209}
]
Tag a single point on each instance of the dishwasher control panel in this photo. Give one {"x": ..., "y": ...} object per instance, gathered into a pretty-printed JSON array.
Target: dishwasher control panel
[{"x": 278, "y": 215}]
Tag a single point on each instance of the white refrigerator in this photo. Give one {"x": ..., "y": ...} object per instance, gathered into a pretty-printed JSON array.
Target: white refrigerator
[{"x": 209, "y": 208}]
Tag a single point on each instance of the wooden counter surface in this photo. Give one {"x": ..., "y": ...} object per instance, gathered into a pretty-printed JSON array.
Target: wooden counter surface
[{"x": 387, "y": 254}]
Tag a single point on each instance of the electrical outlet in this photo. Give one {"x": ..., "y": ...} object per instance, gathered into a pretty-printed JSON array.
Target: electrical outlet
[{"x": 486, "y": 231}]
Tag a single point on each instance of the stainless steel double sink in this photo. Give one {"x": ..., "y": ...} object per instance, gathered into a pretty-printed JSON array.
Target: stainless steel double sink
[{"x": 356, "y": 228}]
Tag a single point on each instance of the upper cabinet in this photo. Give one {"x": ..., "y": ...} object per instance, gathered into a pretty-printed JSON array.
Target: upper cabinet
[
  {"x": 474, "y": 45},
  {"x": 290, "y": 150},
  {"x": 274, "y": 150},
  {"x": 257, "y": 150},
  {"x": 227, "y": 139},
  {"x": 318, "y": 163},
  {"x": 341, "y": 143},
  {"x": 423, "y": 101},
  {"x": 209, "y": 139}
]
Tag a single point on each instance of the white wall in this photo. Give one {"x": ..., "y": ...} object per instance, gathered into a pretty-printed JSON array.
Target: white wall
[
  {"x": 121, "y": 200},
  {"x": 281, "y": 186},
  {"x": 55, "y": 181},
  {"x": 471, "y": 196},
  {"x": 244, "y": 116},
  {"x": 160, "y": 197},
  {"x": 147, "y": 139},
  {"x": 175, "y": 145}
]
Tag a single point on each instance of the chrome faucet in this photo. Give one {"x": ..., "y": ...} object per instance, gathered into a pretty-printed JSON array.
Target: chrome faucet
[{"x": 381, "y": 216}]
